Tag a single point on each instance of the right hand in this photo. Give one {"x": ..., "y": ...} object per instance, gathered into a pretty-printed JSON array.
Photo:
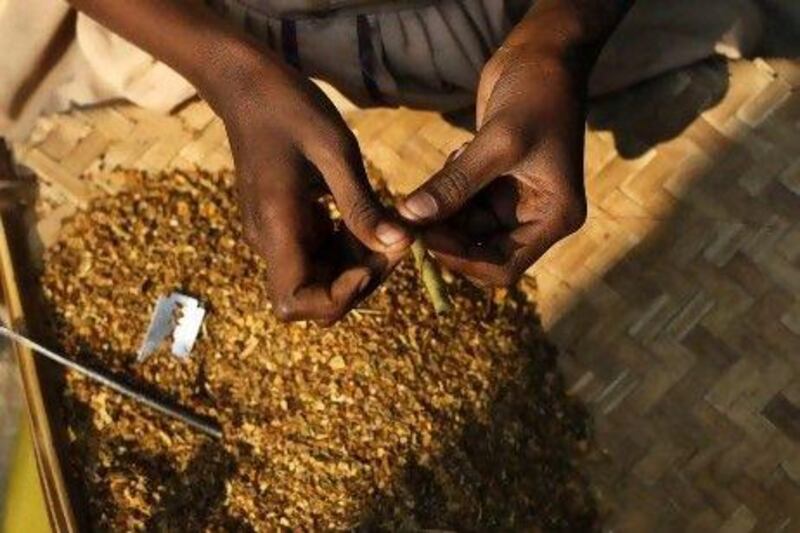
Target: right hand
[
  {"x": 291, "y": 147},
  {"x": 517, "y": 188}
]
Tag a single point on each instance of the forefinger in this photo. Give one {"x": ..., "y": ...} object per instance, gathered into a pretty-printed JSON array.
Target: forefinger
[{"x": 499, "y": 261}]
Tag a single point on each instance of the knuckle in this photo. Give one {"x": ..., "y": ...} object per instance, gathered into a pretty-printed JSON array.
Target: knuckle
[
  {"x": 512, "y": 139},
  {"x": 493, "y": 68},
  {"x": 476, "y": 280},
  {"x": 332, "y": 317},
  {"x": 360, "y": 213},
  {"x": 490, "y": 69},
  {"x": 284, "y": 309},
  {"x": 250, "y": 234},
  {"x": 453, "y": 186},
  {"x": 255, "y": 238},
  {"x": 498, "y": 277},
  {"x": 336, "y": 143},
  {"x": 573, "y": 215},
  {"x": 505, "y": 278},
  {"x": 334, "y": 312}
]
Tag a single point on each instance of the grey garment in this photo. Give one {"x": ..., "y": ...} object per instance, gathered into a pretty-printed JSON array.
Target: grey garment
[
  {"x": 660, "y": 35},
  {"x": 314, "y": 8},
  {"x": 420, "y": 53},
  {"x": 417, "y": 53},
  {"x": 429, "y": 53}
]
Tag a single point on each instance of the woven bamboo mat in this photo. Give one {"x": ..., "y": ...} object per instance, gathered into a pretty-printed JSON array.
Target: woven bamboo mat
[
  {"x": 677, "y": 306},
  {"x": 10, "y": 409}
]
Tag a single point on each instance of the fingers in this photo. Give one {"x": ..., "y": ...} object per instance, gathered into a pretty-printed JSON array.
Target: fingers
[
  {"x": 322, "y": 302},
  {"x": 489, "y": 76},
  {"x": 493, "y": 152},
  {"x": 499, "y": 260},
  {"x": 493, "y": 264},
  {"x": 281, "y": 224},
  {"x": 305, "y": 284},
  {"x": 343, "y": 170},
  {"x": 327, "y": 299},
  {"x": 313, "y": 272},
  {"x": 482, "y": 263}
]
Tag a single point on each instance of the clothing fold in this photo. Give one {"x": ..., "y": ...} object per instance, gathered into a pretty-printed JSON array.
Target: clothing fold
[{"x": 416, "y": 53}]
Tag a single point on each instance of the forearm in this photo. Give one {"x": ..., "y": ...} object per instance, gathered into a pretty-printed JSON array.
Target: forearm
[
  {"x": 575, "y": 30},
  {"x": 217, "y": 58}
]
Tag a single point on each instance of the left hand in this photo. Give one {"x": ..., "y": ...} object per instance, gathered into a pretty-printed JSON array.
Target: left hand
[{"x": 504, "y": 199}]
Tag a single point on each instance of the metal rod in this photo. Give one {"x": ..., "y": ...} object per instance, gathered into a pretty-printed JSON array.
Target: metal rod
[{"x": 209, "y": 428}]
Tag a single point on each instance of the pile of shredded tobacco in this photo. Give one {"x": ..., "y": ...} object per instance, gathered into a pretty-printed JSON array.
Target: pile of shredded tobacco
[{"x": 393, "y": 419}]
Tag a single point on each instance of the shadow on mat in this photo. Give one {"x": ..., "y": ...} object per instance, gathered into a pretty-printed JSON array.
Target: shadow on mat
[
  {"x": 190, "y": 497},
  {"x": 518, "y": 467},
  {"x": 510, "y": 479},
  {"x": 659, "y": 109},
  {"x": 685, "y": 341}
]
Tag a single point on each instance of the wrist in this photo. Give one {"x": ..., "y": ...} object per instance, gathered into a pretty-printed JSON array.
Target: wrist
[
  {"x": 555, "y": 64},
  {"x": 572, "y": 31},
  {"x": 233, "y": 73}
]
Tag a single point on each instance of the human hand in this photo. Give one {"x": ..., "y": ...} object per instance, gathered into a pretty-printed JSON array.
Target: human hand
[
  {"x": 504, "y": 199},
  {"x": 291, "y": 149}
]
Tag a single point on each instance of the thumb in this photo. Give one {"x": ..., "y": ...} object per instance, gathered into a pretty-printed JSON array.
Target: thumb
[
  {"x": 361, "y": 210},
  {"x": 484, "y": 159}
]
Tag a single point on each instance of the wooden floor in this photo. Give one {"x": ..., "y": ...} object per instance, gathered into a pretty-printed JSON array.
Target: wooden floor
[{"x": 677, "y": 307}]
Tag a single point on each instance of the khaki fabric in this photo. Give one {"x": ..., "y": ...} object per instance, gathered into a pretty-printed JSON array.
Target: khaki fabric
[{"x": 53, "y": 60}]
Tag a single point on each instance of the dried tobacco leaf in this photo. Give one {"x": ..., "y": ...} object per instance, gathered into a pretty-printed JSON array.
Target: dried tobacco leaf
[{"x": 394, "y": 418}]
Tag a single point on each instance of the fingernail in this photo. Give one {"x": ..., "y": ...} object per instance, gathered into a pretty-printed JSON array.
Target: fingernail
[
  {"x": 457, "y": 152},
  {"x": 364, "y": 283},
  {"x": 421, "y": 205},
  {"x": 389, "y": 233}
]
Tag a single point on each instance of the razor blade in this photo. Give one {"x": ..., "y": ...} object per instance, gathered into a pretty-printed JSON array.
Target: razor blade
[{"x": 176, "y": 315}]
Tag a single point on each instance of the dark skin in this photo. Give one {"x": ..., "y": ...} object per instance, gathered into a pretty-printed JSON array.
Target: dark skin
[{"x": 517, "y": 188}]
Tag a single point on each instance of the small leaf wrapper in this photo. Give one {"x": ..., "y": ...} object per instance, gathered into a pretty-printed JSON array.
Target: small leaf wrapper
[{"x": 431, "y": 277}]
